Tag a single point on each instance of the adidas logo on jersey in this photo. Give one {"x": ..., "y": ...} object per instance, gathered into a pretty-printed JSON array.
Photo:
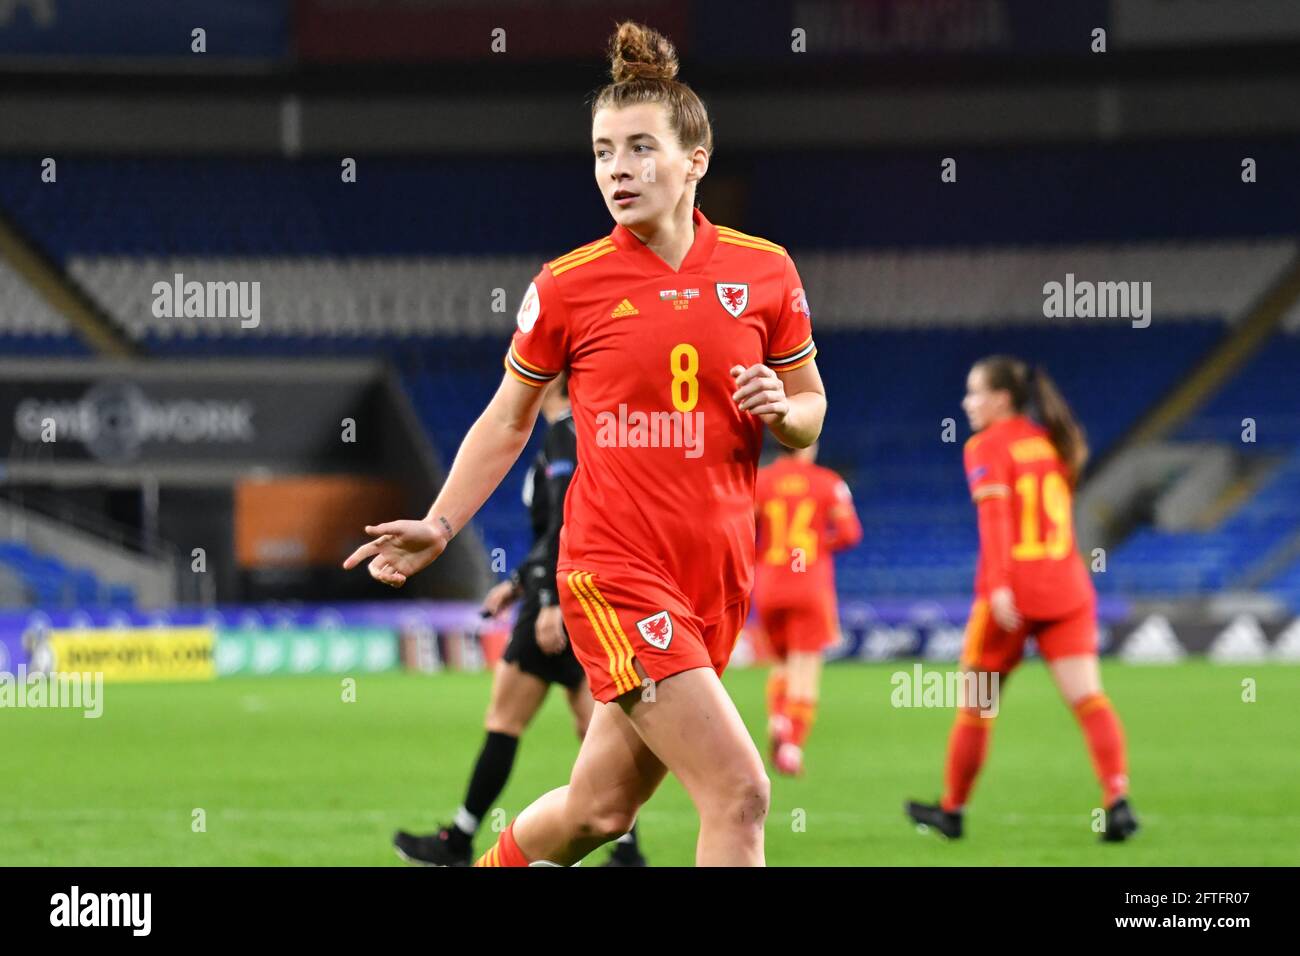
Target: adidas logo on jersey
[{"x": 624, "y": 308}]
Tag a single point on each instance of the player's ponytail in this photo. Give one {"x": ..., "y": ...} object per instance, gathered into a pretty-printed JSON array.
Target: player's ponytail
[
  {"x": 643, "y": 65},
  {"x": 1062, "y": 427},
  {"x": 1034, "y": 393}
]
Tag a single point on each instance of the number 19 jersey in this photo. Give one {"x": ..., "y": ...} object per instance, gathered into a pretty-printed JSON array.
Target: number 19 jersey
[{"x": 1015, "y": 459}]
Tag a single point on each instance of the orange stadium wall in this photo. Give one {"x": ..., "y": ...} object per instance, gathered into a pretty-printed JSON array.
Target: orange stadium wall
[{"x": 307, "y": 521}]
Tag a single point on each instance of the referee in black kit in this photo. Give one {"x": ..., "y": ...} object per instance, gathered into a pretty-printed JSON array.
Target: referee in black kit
[{"x": 538, "y": 655}]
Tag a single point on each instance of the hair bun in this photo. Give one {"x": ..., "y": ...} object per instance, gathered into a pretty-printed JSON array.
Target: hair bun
[{"x": 637, "y": 52}]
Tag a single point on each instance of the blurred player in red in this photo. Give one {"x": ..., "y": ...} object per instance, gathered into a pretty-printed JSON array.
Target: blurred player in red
[
  {"x": 682, "y": 340},
  {"x": 805, "y": 514},
  {"x": 1022, "y": 465}
]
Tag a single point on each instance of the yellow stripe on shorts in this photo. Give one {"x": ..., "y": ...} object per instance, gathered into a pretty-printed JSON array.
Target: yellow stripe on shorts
[
  {"x": 617, "y": 628},
  {"x": 616, "y": 668}
]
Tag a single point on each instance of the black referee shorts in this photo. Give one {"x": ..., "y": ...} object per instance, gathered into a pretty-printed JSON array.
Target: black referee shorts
[{"x": 562, "y": 668}]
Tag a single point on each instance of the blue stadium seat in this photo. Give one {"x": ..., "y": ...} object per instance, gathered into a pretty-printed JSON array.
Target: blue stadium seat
[{"x": 53, "y": 585}]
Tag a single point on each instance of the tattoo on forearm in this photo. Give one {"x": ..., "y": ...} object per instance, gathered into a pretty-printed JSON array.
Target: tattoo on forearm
[{"x": 446, "y": 526}]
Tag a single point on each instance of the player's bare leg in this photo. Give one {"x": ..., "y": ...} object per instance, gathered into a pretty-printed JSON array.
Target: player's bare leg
[
  {"x": 803, "y": 674},
  {"x": 627, "y": 848},
  {"x": 778, "y": 724},
  {"x": 582, "y": 705},
  {"x": 690, "y": 726},
  {"x": 615, "y": 774},
  {"x": 1078, "y": 678},
  {"x": 695, "y": 729},
  {"x": 803, "y": 683}
]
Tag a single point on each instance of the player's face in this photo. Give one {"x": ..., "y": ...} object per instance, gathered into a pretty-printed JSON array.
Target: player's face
[
  {"x": 641, "y": 169},
  {"x": 982, "y": 405}
]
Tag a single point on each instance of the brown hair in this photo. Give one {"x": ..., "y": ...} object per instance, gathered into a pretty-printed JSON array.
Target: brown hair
[
  {"x": 643, "y": 66},
  {"x": 1034, "y": 393}
]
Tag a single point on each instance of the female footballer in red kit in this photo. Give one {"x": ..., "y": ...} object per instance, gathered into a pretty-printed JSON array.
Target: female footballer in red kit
[
  {"x": 1022, "y": 465},
  {"x": 681, "y": 339}
]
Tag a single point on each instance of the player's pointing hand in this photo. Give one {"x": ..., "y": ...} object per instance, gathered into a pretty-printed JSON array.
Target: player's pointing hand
[
  {"x": 400, "y": 549},
  {"x": 760, "y": 392}
]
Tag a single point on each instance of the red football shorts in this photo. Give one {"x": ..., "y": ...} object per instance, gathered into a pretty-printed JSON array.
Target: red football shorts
[
  {"x": 989, "y": 648},
  {"x": 616, "y": 617},
  {"x": 808, "y": 627}
]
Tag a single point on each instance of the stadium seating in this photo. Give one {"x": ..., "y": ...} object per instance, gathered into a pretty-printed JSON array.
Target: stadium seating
[
  {"x": 51, "y": 584},
  {"x": 28, "y": 325},
  {"x": 1286, "y": 586},
  {"x": 1265, "y": 391},
  {"x": 911, "y": 280},
  {"x": 186, "y": 206}
]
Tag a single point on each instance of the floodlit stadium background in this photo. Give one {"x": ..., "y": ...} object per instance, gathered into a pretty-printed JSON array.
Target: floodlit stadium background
[{"x": 177, "y": 492}]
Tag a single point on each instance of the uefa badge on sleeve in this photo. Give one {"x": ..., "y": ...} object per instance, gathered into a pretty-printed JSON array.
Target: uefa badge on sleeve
[
  {"x": 734, "y": 296},
  {"x": 657, "y": 629},
  {"x": 529, "y": 310}
]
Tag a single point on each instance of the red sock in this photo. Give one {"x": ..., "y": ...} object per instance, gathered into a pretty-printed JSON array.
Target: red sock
[
  {"x": 1105, "y": 736},
  {"x": 775, "y": 694},
  {"x": 801, "y": 712},
  {"x": 505, "y": 852},
  {"x": 968, "y": 744}
]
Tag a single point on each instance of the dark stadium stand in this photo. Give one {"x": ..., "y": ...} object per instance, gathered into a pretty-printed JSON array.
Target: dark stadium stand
[
  {"x": 200, "y": 206},
  {"x": 1266, "y": 390},
  {"x": 43, "y": 345},
  {"x": 890, "y": 388},
  {"x": 189, "y": 206}
]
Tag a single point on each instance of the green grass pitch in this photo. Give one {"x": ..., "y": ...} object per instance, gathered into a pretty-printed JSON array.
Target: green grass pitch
[{"x": 288, "y": 774}]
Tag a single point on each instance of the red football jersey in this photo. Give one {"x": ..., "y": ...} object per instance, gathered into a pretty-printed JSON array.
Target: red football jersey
[
  {"x": 1015, "y": 459},
  {"x": 805, "y": 514},
  {"x": 666, "y": 459}
]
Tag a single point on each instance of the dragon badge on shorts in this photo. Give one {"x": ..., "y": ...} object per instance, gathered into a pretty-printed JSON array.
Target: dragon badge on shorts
[{"x": 657, "y": 629}]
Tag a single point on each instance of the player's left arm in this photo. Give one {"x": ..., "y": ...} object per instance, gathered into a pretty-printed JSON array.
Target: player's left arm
[
  {"x": 792, "y": 404},
  {"x": 786, "y": 391},
  {"x": 990, "y": 476}
]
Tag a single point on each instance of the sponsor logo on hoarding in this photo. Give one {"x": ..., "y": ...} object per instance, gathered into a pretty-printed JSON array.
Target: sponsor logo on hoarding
[
  {"x": 134, "y": 654},
  {"x": 1154, "y": 642},
  {"x": 1241, "y": 641},
  {"x": 333, "y": 651},
  {"x": 1287, "y": 645}
]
